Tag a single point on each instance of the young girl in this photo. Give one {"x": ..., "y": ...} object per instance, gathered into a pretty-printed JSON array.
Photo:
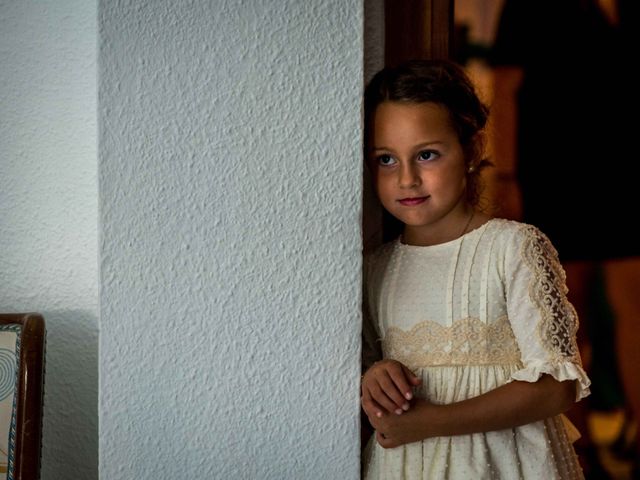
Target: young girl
[{"x": 469, "y": 341}]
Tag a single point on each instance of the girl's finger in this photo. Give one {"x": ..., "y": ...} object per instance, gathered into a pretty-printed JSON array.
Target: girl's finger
[
  {"x": 383, "y": 440},
  {"x": 391, "y": 390},
  {"x": 401, "y": 385},
  {"x": 379, "y": 395},
  {"x": 370, "y": 406}
]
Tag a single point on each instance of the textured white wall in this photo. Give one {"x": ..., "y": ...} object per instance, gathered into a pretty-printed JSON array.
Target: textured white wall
[
  {"x": 48, "y": 211},
  {"x": 230, "y": 192}
]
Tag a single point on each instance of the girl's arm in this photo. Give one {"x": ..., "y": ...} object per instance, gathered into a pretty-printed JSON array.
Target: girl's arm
[{"x": 514, "y": 404}]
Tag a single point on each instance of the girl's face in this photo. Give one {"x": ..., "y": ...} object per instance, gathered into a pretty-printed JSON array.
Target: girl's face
[{"x": 419, "y": 170}]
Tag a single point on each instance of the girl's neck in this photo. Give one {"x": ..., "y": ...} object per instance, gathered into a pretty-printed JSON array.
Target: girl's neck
[{"x": 446, "y": 229}]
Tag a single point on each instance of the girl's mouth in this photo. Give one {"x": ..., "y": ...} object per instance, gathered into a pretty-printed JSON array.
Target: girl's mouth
[{"x": 411, "y": 201}]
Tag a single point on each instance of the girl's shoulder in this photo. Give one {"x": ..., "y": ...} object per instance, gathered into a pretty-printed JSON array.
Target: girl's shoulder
[
  {"x": 514, "y": 230},
  {"x": 376, "y": 262},
  {"x": 379, "y": 253},
  {"x": 522, "y": 238}
]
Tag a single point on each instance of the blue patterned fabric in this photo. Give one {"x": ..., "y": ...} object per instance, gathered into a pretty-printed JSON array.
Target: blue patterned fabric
[{"x": 9, "y": 366}]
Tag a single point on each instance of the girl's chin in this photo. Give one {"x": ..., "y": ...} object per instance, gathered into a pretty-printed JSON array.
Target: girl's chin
[{"x": 412, "y": 223}]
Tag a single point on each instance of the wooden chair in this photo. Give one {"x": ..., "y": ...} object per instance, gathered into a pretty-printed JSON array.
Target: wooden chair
[{"x": 22, "y": 346}]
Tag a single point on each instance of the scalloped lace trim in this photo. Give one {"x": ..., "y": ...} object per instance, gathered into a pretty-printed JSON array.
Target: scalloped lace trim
[{"x": 466, "y": 341}]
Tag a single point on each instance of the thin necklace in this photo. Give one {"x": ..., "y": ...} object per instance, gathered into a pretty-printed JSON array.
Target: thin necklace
[{"x": 473, "y": 212}]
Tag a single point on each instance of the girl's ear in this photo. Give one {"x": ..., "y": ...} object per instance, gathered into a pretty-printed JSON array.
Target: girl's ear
[{"x": 475, "y": 151}]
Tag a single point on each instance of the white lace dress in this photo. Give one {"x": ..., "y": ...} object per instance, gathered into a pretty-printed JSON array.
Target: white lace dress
[{"x": 468, "y": 316}]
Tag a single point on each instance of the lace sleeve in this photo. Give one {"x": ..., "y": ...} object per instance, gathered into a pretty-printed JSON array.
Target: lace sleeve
[{"x": 543, "y": 320}]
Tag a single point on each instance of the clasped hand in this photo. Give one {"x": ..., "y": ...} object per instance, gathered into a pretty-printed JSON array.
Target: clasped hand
[{"x": 388, "y": 401}]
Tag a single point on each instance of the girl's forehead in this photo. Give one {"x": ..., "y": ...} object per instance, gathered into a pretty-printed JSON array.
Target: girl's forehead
[{"x": 392, "y": 115}]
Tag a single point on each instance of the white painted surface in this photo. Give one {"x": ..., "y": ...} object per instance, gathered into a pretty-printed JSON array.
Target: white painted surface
[
  {"x": 48, "y": 211},
  {"x": 230, "y": 192}
]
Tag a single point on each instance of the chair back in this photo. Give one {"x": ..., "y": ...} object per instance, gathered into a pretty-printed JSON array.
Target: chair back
[{"x": 22, "y": 354}]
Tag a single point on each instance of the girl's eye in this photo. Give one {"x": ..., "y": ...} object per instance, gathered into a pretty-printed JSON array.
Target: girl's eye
[
  {"x": 386, "y": 160},
  {"x": 427, "y": 155}
]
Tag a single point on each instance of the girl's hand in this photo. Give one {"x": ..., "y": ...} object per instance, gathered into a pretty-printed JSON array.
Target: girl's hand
[
  {"x": 513, "y": 404},
  {"x": 387, "y": 387},
  {"x": 393, "y": 431}
]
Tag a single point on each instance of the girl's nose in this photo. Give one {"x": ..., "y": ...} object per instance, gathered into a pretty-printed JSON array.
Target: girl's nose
[{"x": 408, "y": 176}]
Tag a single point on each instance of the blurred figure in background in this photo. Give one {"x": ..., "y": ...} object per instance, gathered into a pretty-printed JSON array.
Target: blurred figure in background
[{"x": 563, "y": 87}]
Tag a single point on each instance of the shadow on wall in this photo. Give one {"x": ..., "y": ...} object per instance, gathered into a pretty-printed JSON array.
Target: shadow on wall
[{"x": 70, "y": 430}]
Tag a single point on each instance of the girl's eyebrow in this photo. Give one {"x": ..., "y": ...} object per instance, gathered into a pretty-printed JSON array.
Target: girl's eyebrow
[{"x": 416, "y": 147}]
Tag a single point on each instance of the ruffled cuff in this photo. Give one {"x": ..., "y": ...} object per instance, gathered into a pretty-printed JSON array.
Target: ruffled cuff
[{"x": 560, "y": 371}]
